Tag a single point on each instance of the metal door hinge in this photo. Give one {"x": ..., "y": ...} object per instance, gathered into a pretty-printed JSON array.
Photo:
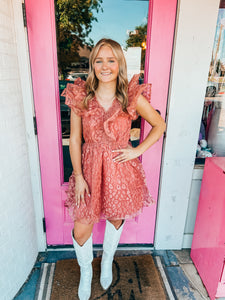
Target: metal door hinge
[
  {"x": 35, "y": 125},
  {"x": 44, "y": 224},
  {"x": 24, "y": 15}
]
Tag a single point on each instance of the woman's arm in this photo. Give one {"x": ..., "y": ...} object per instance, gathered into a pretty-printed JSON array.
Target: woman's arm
[
  {"x": 75, "y": 142},
  {"x": 147, "y": 112},
  {"x": 75, "y": 155}
]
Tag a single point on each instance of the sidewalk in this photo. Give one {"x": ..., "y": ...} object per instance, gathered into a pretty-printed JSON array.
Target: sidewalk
[{"x": 180, "y": 277}]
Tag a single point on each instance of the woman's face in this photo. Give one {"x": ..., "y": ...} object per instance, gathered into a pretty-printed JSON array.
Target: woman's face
[{"x": 106, "y": 65}]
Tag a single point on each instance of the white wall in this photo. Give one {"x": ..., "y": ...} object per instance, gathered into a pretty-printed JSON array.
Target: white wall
[
  {"x": 195, "y": 28},
  {"x": 28, "y": 104},
  {"x": 18, "y": 236}
]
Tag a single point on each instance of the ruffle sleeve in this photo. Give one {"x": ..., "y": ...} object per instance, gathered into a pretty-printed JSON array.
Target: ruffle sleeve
[
  {"x": 75, "y": 94},
  {"x": 134, "y": 91}
]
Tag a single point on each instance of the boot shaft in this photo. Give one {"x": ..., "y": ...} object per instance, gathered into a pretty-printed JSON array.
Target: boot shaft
[
  {"x": 84, "y": 253},
  {"x": 112, "y": 236}
]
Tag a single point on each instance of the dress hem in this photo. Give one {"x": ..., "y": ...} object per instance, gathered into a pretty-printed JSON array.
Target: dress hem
[{"x": 104, "y": 217}]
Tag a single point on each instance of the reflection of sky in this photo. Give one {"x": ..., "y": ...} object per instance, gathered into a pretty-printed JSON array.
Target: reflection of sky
[
  {"x": 119, "y": 16},
  {"x": 221, "y": 52}
]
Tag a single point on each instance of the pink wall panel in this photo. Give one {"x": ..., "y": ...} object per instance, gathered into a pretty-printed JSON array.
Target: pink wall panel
[{"x": 208, "y": 245}]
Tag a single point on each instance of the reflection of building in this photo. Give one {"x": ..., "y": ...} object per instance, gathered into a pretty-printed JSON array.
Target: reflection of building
[
  {"x": 132, "y": 32},
  {"x": 83, "y": 62},
  {"x": 84, "y": 52},
  {"x": 133, "y": 58}
]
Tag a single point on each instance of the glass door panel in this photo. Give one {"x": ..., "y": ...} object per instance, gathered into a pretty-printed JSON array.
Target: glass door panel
[{"x": 79, "y": 25}]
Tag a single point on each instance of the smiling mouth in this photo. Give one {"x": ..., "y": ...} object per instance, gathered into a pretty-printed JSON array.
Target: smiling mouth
[{"x": 105, "y": 74}]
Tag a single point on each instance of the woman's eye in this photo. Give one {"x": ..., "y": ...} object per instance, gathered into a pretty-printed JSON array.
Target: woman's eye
[
  {"x": 98, "y": 61},
  {"x": 112, "y": 61}
]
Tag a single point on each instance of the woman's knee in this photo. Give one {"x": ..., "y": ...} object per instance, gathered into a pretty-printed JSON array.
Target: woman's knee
[
  {"x": 116, "y": 223},
  {"x": 82, "y": 232}
]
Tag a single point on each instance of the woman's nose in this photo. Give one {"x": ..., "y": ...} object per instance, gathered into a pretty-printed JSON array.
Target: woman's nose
[{"x": 104, "y": 65}]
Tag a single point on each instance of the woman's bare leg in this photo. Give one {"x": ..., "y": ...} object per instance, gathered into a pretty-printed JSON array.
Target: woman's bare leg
[{"x": 82, "y": 232}]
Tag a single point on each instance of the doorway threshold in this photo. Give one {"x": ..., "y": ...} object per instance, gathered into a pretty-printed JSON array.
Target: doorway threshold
[{"x": 98, "y": 247}]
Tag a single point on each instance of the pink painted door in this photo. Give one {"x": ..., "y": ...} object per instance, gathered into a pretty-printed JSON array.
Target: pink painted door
[{"x": 44, "y": 68}]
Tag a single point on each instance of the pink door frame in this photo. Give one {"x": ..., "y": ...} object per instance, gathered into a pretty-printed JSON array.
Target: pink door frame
[{"x": 41, "y": 29}]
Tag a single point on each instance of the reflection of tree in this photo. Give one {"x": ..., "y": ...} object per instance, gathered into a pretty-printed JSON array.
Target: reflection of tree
[
  {"x": 73, "y": 24},
  {"x": 137, "y": 38}
]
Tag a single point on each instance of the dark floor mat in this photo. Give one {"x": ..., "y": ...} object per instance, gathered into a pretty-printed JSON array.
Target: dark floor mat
[{"x": 134, "y": 278}]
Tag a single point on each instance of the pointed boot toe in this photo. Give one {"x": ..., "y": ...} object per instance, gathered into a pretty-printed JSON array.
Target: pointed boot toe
[
  {"x": 84, "y": 294},
  {"x": 106, "y": 273},
  {"x": 106, "y": 282}
]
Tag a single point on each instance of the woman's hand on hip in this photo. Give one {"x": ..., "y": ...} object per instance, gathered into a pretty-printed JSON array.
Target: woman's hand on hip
[
  {"x": 80, "y": 189},
  {"x": 126, "y": 154}
]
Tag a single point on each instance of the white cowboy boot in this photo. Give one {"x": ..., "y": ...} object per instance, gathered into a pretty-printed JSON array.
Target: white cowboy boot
[
  {"x": 84, "y": 257},
  {"x": 111, "y": 240}
]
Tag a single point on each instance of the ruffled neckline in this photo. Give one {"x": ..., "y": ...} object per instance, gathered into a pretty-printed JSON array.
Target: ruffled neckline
[
  {"x": 100, "y": 106},
  {"x": 76, "y": 92}
]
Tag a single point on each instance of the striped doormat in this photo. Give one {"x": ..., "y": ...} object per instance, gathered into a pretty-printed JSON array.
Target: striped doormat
[
  {"x": 134, "y": 278},
  {"x": 44, "y": 285}
]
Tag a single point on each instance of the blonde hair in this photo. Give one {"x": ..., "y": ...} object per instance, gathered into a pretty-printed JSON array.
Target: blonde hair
[{"x": 122, "y": 81}]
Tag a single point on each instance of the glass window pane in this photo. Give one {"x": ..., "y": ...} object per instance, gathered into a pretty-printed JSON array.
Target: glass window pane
[
  {"x": 212, "y": 131},
  {"x": 79, "y": 25}
]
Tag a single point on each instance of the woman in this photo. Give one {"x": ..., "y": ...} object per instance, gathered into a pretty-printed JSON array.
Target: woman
[{"x": 108, "y": 180}]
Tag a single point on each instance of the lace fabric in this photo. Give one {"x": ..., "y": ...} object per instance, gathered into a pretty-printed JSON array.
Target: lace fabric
[
  {"x": 118, "y": 191},
  {"x": 74, "y": 94}
]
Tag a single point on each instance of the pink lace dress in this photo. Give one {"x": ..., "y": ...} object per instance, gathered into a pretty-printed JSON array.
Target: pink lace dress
[{"x": 118, "y": 191}]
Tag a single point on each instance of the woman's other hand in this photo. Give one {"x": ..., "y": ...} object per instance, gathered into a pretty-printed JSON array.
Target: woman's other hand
[
  {"x": 80, "y": 189},
  {"x": 126, "y": 154}
]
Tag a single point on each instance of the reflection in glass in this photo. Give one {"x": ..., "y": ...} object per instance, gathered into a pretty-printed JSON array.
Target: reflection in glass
[
  {"x": 79, "y": 25},
  {"x": 212, "y": 131}
]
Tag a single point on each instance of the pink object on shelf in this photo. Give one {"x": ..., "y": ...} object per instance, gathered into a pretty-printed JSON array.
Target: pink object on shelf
[{"x": 208, "y": 246}]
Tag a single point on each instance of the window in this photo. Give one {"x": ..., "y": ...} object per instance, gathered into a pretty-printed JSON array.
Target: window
[{"x": 212, "y": 130}]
